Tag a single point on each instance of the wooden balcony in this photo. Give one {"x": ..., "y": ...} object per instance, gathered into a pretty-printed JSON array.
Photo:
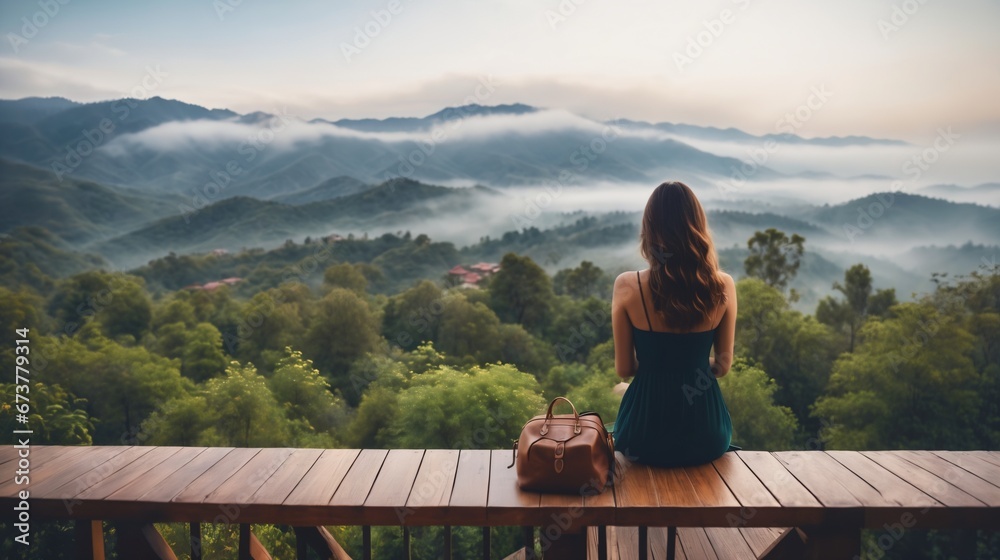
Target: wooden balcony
[{"x": 726, "y": 509}]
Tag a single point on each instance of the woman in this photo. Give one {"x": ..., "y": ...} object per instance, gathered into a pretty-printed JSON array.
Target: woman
[{"x": 666, "y": 321}]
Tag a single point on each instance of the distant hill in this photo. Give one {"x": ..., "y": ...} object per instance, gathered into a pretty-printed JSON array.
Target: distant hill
[
  {"x": 329, "y": 189},
  {"x": 77, "y": 211},
  {"x": 986, "y": 193},
  {"x": 32, "y": 109},
  {"x": 737, "y": 135},
  {"x": 411, "y": 124},
  {"x": 201, "y": 143},
  {"x": 243, "y": 222},
  {"x": 909, "y": 217},
  {"x": 30, "y": 256}
]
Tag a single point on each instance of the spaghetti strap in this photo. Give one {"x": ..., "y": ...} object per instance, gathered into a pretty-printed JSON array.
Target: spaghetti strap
[{"x": 643, "y": 301}]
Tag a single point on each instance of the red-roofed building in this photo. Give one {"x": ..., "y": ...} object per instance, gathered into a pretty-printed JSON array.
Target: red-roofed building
[{"x": 458, "y": 270}]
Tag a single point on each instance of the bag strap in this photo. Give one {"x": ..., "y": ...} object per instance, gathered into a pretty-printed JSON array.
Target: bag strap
[{"x": 548, "y": 416}]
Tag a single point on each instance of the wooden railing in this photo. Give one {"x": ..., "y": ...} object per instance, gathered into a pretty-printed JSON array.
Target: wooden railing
[{"x": 827, "y": 496}]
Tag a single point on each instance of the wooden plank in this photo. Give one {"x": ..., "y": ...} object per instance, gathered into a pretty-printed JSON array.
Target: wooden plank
[
  {"x": 10, "y": 453},
  {"x": 70, "y": 483},
  {"x": 214, "y": 476},
  {"x": 935, "y": 487},
  {"x": 743, "y": 483},
  {"x": 658, "y": 544},
  {"x": 507, "y": 504},
  {"x": 155, "y": 476},
  {"x": 178, "y": 480},
  {"x": 628, "y": 542},
  {"x": 353, "y": 491},
  {"x": 729, "y": 543},
  {"x": 432, "y": 489},
  {"x": 435, "y": 479},
  {"x": 760, "y": 538},
  {"x": 989, "y": 456},
  {"x": 277, "y": 488},
  {"x": 674, "y": 488},
  {"x": 635, "y": 496},
  {"x": 892, "y": 488},
  {"x": 974, "y": 462},
  {"x": 955, "y": 475},
  {"x": 779, "y": 482},
  {"x": 43, "y": 465},
  {"x": 135, "y": 471},
  {"x": 238, "y": 488},
  {"x": 833, "y": 486},
  {"x": 320, "y": 483},
  {"x": 386, "y": 502},
  {"x": 471, "y": 489},
  {"x": 710, "y": 487},
  {"x": 696, "y": 544}
]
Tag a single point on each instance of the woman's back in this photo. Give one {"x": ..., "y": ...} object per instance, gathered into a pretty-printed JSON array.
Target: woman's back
[{"x": 673, "y": 413}]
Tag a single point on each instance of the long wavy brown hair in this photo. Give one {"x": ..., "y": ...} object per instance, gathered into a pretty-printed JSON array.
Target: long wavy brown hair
[{"x": 683, "y": 266}]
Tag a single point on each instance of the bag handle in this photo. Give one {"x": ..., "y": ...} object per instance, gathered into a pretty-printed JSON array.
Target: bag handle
[{"x": 548, "y": 415}]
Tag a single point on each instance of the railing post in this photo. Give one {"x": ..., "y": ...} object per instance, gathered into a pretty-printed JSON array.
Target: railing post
[
  {"x": 486, "y": 543},
  {"x": 602, "y": 543},
  {"x": 643, "y": 543},
  {"x": 366, "y": 538},
  {"x": 89, "y": 539},
  {"x": 406, "y": 542},
  {"x": 447, "y": 542},
  {"x": 529, "y": 542},
  {"x": 671, "y": 543},
  {"x": 244, "y": 550},
  {"x": 195, "y": 532}
]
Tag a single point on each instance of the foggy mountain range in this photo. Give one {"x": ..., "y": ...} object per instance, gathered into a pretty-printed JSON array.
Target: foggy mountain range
[{"x": 132, "y": 180}]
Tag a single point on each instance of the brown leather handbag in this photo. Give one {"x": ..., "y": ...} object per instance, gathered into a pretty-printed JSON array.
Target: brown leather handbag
[{"x": 564, "y": 453}]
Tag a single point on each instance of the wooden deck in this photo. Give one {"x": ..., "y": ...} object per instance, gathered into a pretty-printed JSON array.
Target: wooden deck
[{"x": 845, "y": 490}]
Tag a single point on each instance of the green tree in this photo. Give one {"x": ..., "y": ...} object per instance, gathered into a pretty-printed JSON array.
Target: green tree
[
  {"x": 412, "y": 317},
  {"x": 596, "y": 394},
  {"x": 118, "y": 301},
  {"x": 122, "y": 385},
  {"x": 343, "y": 330},
  {"x": 758, "y": 422},
  {"x": 347, "y": 276},
  {"x": 305, "y": 393},
  {"x": 180, "y": 421},
  {"x": 909, "y": 384},
  {"x": 584, "y": 281},
  {"x": 521, "y": 293},
  {"x": 56, "y": 417},
  {"x": 476, "y": 408},
  {"x": 774, "y": 257},
  {"x": 796, "y": 350},
  {"x": 858, "y": 301},
  {"x": 468, "y": 330},
  {"x": 246, "y": 412}
]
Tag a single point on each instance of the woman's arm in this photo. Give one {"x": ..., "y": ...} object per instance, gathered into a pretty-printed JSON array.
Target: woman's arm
[
  {"x": 725, "y": 334},
  {"x": 621, "y": 327}
]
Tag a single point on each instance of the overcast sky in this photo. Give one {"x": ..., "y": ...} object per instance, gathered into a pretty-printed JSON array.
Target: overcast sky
[{"x": 754, "y": 61}]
